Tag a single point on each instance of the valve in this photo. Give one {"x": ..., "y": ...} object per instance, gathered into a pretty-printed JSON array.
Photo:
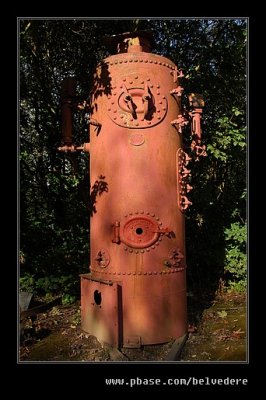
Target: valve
[{"x": 196, "y": 102}]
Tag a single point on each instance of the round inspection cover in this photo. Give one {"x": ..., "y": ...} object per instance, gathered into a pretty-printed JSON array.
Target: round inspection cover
[
  {"x": 119, "y": 112},
  {"x": 140, "y": 232},
  {"x": 102, "y": 258}
]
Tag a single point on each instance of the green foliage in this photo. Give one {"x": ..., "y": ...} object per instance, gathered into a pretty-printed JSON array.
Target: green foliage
[
  {"x": 235, "y": 255},
  {"x": 68, "y": 299},
  {"x": 49, "y": 286},
  {"x": 54, "y": 188},
  {"x": 229, "y": 134}
]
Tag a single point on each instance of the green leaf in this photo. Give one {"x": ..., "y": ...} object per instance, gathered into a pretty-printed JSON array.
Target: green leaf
[{"x": 222, "y": 314}]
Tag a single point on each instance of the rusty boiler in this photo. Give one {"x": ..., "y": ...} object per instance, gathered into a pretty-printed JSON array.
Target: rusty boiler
[{"x": 135, "y": 291}]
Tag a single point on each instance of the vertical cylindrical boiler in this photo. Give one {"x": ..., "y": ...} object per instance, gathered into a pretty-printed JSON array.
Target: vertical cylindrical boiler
[{"x": 135, "y": 293}]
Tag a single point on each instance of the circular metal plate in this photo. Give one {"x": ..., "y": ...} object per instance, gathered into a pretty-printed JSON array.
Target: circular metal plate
[
  {"x": 119, "y": 112},
  {"x": 139, "y": 232},
  {"x": 102, "y": 258}
]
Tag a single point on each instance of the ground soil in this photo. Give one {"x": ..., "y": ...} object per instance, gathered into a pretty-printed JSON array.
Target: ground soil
[{"x": 217, "y": 332}]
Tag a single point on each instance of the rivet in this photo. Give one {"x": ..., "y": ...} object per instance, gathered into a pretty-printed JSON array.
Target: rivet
[
  {"x": 131, "y": 119},
  {"x": 160, "y": 272},
  {"x": 115, "y": 118},
  {"x": 155, "y": 272},
  {"x": 136, "y": 60},
  {"x": 140, "y": 60},
  {"x": 141, "y": 212},
  {"x": 125, "y": 122},
  {"x": 130, "y": 82},
  {"x": 109, "y": 109},
  {"x": 112, "y": 102},
  {"x": 159, "y": 63},
  {"x": 158, "y": 92},
  {"x": 121, "y": 116},
  {"x": 139, "y": 273},
  {"x": 137, "y": 124},
  {"x": 150, "y": 273},
  {"x": 142, "y": 119},
  {"x": 153, "y": 215},
  {"x": 130, "y": 213},
  {"x": 157, "y": 244},
  {"x": 150, "y": 61},
  {"x": 133, "y": 273},
  {"x": 157, "y": 218},
  {"x": 155, "y": 62},
  {"x": 158, "y": 111},
  {"x": 160, "y": 239},
  {"x": 160, "y": 223},
  {"x": 146, "y": 61},
  {"x": 110, "y": 273},
  {"x": 158, "y": 86},
  {"x": 125, "y": 248},
  {"x": 130, "y": 250},
  {"x": 130, "y": 60},
  {"x": 149, "y": 122},
  {"x": 129, "y": 273},
  {"x": 158, "y": 117},
  {"x": 164, "y": 108},
  {"x": 142, "y": 82},
  {"x": 144, "y": 273},
  {"x": 147, "y": 250},
  {"x": 125, "y": 61},
  {"x": 116, "y": 62},
  {"x": 118, "y": 273},
  {"x": 136, "y": 212},
  {"x": 114, "y": 273},
  {"x": 114, "y": 94},
  {"x": 163, "y": 97},
  {"x": 124, "y": 80},
  {"x": 153, "y": 247},
  {"x": 125, "y": 215},
  {"x": 163, "y": 64},
  {"x": 147, "y": 213},
  {"x": 148, "y": 79},
  {"x": 115, "y": 111},
  {"x": 123, "y": 273},
  {"x": 164, "y": 272},
  {"x": 111, "y": 63},
  {"x": 142, "y": 251},
  {"x": 151, "y": 86},
  {"x": 120, "y": 62},
  {"x": 136, "y": 251},
  {"x": 136, "y": 77},
  {"x": 114, "y": 87}
]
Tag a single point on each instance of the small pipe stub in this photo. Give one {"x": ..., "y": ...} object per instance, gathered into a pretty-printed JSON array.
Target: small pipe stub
[{"x": 130, "y": 42}]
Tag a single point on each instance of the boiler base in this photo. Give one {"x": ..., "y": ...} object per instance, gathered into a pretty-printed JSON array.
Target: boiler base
[{"x": 110, "y": 312}]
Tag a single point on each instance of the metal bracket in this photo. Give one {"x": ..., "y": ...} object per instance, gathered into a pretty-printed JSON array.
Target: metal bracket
[
  {"x": 132, "y": 342},
  {"x": 179, "y": 122},
  {"x": 116, "y": 232}
]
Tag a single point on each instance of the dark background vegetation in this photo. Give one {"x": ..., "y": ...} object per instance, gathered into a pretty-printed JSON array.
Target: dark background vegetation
[{"x": 54, "y": 188}]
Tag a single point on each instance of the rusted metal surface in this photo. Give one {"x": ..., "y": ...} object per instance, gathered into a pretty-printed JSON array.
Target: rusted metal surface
[
  {"x": 139, "y": 187},
  {"x": 100, "y": 305}
]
